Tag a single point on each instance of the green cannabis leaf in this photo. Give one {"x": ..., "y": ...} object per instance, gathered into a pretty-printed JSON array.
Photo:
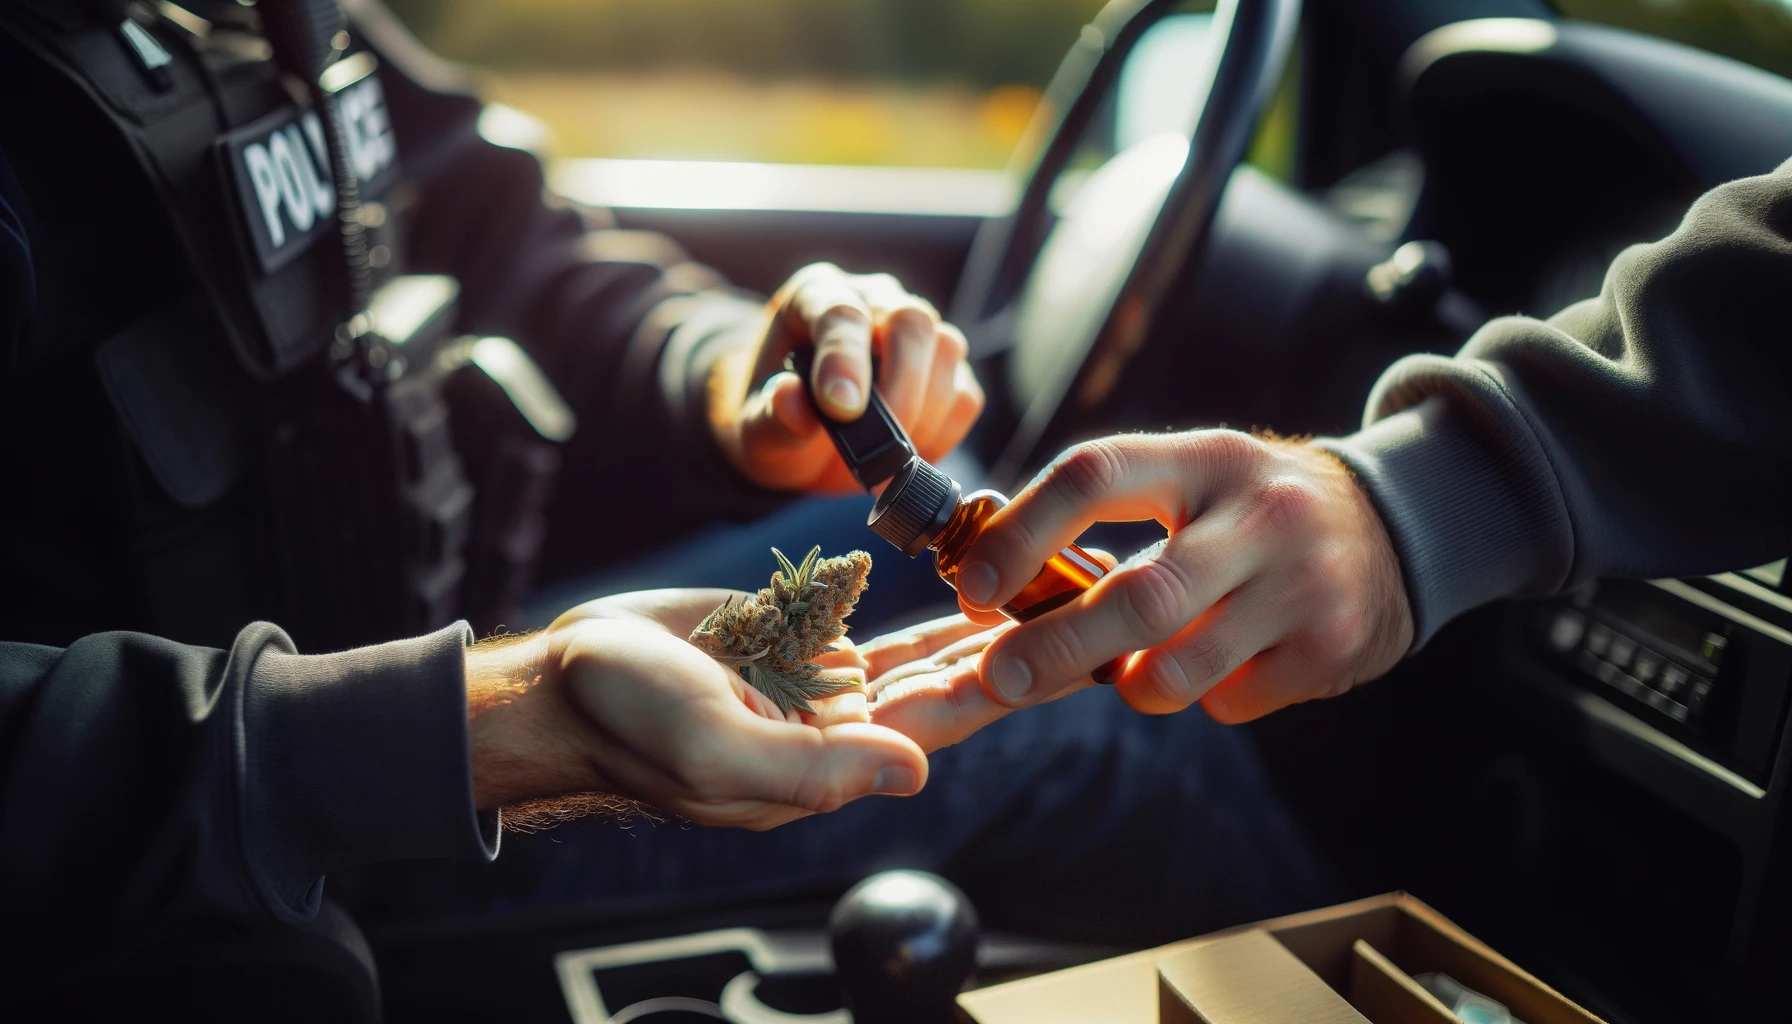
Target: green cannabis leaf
[{"x": 771, "y": 638}]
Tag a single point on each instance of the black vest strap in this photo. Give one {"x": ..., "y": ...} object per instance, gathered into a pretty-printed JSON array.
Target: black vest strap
[{"x": 275, "y": 321}]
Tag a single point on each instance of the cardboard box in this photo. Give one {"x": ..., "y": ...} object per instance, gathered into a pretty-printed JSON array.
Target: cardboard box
[
  {"x": 1245, "y": 977},
  {"x": 1350, "y": 964}
]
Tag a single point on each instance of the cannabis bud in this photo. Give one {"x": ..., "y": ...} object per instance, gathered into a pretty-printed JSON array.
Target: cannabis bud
[{"x": 772, "y": 637}]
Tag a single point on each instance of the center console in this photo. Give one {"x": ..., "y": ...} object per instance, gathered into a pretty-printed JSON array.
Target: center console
[
  {"x": 1662, "y": 854},
  {"x": 898, "y": 947},
  {"x": 1701, "y": 662}
]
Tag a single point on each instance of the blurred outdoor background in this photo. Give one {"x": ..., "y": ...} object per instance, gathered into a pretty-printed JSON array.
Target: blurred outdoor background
[
  {"x": 935, "y": 83},
  {"x": 929, "y": 83}
]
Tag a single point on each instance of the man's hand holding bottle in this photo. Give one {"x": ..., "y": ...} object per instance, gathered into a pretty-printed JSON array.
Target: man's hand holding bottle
[{"x": 1277, "y": 583}]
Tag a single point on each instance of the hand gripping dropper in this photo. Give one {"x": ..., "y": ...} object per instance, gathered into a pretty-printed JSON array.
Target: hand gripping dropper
[{"x": 923, "y": 508}]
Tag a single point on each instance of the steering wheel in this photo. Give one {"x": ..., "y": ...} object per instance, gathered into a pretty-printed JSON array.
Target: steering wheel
[{"x": 1071, "y": 298}]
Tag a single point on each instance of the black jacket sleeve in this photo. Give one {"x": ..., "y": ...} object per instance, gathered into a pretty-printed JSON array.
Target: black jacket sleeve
[
  {"x": 145, "y": 784},
  {"x": 623, "y": 322},
  {"x": 1646, "y": 432}
]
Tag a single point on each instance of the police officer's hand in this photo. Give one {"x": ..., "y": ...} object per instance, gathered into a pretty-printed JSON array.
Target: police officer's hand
[
  {"x": 612, "y": 699},
  {"x": 1277, "y": 583},
  {"x": 772, "y": 435}
]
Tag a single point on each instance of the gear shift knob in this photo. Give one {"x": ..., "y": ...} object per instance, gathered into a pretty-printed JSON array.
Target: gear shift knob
[{"x": 904, "y": 943}]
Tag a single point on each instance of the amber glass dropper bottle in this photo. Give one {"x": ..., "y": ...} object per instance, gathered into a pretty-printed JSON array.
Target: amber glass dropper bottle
[{"x": 923, "y": 509}]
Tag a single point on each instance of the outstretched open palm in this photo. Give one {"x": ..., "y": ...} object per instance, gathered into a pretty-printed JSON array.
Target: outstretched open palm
[{"x": 653, "y": 718}]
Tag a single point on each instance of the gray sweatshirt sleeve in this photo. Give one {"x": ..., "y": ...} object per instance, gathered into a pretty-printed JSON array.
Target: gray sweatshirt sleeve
[
  {"x": 145, "y": 784},
  {"x": 1646, "y": 432}
]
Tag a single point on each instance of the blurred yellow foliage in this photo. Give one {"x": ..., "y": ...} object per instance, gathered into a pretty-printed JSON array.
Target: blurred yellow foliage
[
  {"x": 895, "y": 82},
  {"x": 709, "y": 116},
  {"x": 1006, "y": 111}
]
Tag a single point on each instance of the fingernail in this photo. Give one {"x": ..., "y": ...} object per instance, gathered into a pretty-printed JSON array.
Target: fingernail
[
  {"x": 843, "y": 394},
  {"x": 896, "y": 780},
  {"x": 1010, "y": 676},
  {"x": 977, "y": 582}
]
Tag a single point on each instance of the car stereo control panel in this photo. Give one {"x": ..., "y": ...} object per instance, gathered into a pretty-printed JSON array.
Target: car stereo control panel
[{"x": 1706, "y": 662}]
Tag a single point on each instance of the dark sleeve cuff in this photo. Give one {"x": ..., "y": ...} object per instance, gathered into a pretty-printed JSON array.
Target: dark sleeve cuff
[
  {"x": 672, "y": 357},
  {"x": 1471, "y": 517},
  {"x": 676, "y": 345},
  {"x": 353, "y": 758}
]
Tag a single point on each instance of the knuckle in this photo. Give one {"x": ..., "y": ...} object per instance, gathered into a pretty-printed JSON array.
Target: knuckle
[
  {"x": 1009, "y": 542},
  {"x": 1283, "y": 505},
  {"x": 964, "y": 703},
  {"x": 811, "y": 276},
  {"x": 824, "y": 788},
  {"x": 1191, "y": 559},
  {"x": 820, "y": 797},
  {"x": 1154, "y": 595},
  {"x": 912, "y": 322},
  {"x": 1057, "y": 649},
  {"x": 1226, "y": 449},
  {"x": 1330, "y": 565},
  {"x": 1167, "y": 681},
  {"x": 952, "y": 344},
  {"x": 1207, "y": 658},
  {"x": 1088, "y": 471},
  {"x": 839, "y": 314},
  {"x": 1341, "y": 633}
]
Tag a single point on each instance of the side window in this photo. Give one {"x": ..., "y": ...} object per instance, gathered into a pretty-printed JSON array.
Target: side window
[
  {"x": 1756, "y": 31},
  {"x": 917, "y": 83}
]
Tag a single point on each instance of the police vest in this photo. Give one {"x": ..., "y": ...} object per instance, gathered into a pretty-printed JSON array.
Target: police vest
[{"x": 233, "y": 374}]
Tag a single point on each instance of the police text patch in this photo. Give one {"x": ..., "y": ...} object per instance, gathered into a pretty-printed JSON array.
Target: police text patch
[{"x": 281, "y": 170}]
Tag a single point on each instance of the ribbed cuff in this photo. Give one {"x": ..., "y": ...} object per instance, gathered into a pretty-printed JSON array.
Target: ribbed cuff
[
  {"x": 1473, "y": 515},
  {"x": 710, "y": 327},
  {"x": 355, "y": 758}
]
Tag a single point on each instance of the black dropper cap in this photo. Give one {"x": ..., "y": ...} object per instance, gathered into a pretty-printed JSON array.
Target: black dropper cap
[
  {"x": 919, "y": 499},
  {"x": 915, "y": 507},
  {"x": 874, "y": 446}
]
